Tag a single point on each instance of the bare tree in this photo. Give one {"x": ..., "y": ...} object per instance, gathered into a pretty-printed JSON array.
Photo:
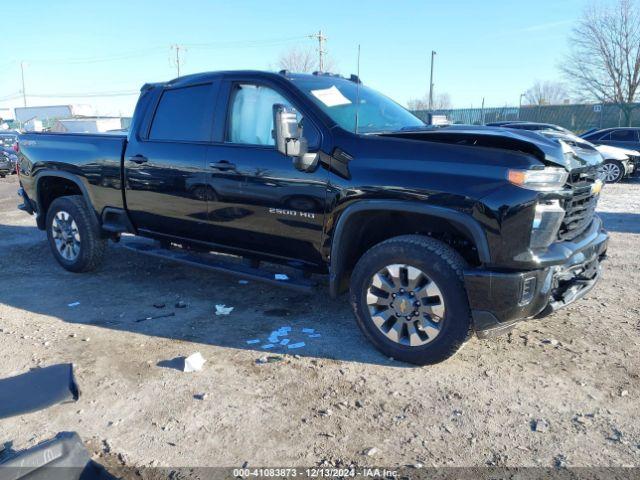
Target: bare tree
[
  {"x": 546, "y": 93},
  {"x": 441, "y": 101},
  {"x": 303, "y": 60},
  {"x": 604, "y": 63}
]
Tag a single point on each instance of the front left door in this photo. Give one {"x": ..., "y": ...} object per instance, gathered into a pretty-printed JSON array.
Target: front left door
[
  {"x": 165, "y": 171},
  {"x": 258, "y": 201}
]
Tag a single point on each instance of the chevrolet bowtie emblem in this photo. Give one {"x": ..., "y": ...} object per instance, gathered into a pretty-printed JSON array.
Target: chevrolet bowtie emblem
[{"x": 403, "y": 305}]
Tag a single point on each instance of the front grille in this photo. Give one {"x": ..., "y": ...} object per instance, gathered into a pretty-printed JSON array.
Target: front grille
[{"x": 581, "y": 206}]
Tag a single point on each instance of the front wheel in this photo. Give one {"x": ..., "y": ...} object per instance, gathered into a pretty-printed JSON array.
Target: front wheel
[
  {"x": 74, "y": 234},
  {"x": 613, "y": 171},
  {"x": 409, "y": 299}
]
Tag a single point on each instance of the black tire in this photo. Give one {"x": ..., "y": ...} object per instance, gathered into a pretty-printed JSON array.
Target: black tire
[
  {"x": 444, "y": 266},
  {"x": 614, "y": 164},
  {"x": 91, "y": 245},
  {"x": 2, "y": 175}
]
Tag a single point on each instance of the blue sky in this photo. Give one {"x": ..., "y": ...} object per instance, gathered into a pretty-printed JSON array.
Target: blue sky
[{"x": 485, "y": 48}]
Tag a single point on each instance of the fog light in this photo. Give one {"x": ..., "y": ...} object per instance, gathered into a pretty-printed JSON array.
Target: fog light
[
  {"x": 546, "y": 223},
  {"x": 527, "y": 291}
]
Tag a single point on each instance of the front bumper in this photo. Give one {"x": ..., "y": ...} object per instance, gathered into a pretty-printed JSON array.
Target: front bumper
[{"x": 498, "y": 299}]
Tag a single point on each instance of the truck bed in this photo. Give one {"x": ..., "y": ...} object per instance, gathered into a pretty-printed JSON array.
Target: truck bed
[{"x": 95, "y": 159}]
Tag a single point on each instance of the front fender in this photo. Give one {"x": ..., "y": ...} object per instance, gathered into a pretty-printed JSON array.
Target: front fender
[{"x": 464, "y": 222}]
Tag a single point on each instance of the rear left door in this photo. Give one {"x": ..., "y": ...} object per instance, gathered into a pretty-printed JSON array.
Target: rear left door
[{"x": 165, "y": 166}]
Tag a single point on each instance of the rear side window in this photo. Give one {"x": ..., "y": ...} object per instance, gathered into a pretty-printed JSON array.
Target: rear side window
[
  {"x": 184, "y": 115},
  {"x": 624, "y": 136}
]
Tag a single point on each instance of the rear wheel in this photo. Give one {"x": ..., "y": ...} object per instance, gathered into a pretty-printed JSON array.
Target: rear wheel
[
  {"x": 613, "y": 171},
  {"x": 74, "y": 234},
  {"x": 409, "y": 299}
]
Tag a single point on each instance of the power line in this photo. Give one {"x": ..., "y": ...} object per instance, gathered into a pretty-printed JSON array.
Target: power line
[
  {"x": 147, "y": 51},
  {"x": 121, "y": 93}
]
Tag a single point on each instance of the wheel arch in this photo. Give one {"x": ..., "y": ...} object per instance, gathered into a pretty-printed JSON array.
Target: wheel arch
[
  {"x": 51, "y": 184},
  {"x": 350, "y": 237}
]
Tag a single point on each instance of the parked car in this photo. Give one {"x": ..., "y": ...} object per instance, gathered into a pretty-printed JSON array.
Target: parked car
[
  {"x": 533, "y": 126},
  {"x": 623, "y": 137},
  {"x": 6, "y": 164},
  {"x": 618, "y": 163},
  {"x": 435, "y": 233},
  {"x": 13, "y": 158},
  {"x": 626, "y": 138}
]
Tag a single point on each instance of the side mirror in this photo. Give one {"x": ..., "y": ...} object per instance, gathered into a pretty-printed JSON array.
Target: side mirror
[{"x": 289, "y": 140}]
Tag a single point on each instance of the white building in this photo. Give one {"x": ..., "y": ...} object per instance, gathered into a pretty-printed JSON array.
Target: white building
[
  {"x": 87, "y": 125},
  {"x": 47, "y": 114}
]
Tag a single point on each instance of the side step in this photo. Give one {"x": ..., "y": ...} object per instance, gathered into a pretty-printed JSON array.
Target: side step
[{"x": 220, "y": 263}]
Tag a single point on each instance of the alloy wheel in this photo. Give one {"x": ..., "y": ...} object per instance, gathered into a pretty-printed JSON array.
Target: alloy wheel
[
  {"x": 611, "y": 172},
  {"x": 66, "y": 235},
  {"x": 406, "y": 305}
]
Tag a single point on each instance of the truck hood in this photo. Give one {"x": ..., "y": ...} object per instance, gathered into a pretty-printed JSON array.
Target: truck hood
[{"x": 549, "y": 150}]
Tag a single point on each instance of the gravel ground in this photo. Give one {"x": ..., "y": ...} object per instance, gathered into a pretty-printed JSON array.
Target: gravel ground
[{"x": 559, "y": 391}]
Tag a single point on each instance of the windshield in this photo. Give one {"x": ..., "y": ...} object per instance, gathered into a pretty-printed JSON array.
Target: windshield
[{"x": 337, "y": 97}]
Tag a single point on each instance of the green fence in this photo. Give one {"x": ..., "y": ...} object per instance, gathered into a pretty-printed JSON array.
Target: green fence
[{"x": 574, "y": 117}]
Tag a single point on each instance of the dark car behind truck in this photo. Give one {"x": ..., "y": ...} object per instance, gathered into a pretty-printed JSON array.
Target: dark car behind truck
[{"x": 435, "y": 233}]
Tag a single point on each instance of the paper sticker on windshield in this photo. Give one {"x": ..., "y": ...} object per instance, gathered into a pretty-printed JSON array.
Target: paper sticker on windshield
[{"x": 331, "y": 97}]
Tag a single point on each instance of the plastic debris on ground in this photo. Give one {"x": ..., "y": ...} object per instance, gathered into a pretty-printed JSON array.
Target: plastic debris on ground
[
  {"x": 194, "y": 363},
  {"x": 223, "y": 310},
  {"x": 153, "y": 317},
  {"x": 243, "y": 282},
  {"x": 269, "y": 359},
  {"x": 73, "y": 304},
  {"x": 281, "y": 276},
  {"x": 159, "y": 305},
  {"x": 282, "y": 338},
  {"x": 181, "y": 304}
]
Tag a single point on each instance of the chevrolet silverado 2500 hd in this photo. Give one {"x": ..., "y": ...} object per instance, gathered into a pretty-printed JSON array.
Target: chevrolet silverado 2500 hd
[{"x": 435, "y": 233}]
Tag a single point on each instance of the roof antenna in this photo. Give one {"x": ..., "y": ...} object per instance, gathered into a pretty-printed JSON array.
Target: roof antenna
[{"x": 357, "y": 90}]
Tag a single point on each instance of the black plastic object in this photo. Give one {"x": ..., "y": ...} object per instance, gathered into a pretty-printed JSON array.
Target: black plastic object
[
  {"x": 37, "y": 389},
  {"x": 64, "y": 457}
]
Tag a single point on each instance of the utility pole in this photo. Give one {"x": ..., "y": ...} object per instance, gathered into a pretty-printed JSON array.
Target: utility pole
[
  {"x": 24, "y": 93},
  {"x": 321, "y": 51},
  {"x": 177, "y": 60},
  {"x": 433, "y": 54}
]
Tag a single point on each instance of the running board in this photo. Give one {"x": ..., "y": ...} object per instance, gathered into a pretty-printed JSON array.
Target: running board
[{"x": 218, "y": 263}]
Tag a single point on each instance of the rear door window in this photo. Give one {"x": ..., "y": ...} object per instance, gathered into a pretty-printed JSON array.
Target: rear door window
[
  {"x": 624, "y": 136},
  {"x": 184, "y": 115}
]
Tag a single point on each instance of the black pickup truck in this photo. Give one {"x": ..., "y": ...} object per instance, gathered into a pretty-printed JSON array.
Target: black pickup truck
[{"x": 436, "y": 233}]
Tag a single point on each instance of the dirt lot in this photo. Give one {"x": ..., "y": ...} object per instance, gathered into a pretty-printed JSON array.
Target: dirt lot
[{"x": 574, "y": 375}]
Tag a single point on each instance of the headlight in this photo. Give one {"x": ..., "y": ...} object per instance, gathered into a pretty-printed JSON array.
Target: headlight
[
  {"x": 544, "y": 180},
  {"x": 546, "y": 223}
]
